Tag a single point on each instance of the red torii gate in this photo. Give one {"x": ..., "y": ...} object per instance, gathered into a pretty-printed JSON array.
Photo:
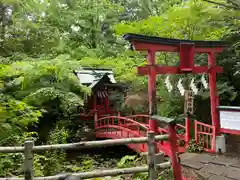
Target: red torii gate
[{"x": 187, "y": 50}]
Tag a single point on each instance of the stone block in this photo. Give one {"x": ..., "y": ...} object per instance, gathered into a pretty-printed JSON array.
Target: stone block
[
  {"x": 216, "y": 177},
  {"x": 192, "y": 164},
  {"x": 233, "y": 173},
  {"x": 227, "y": 161},
  {"x": 214, "y": 169},
  {"x": 204, "y": 158},
  {"x": 203, "y": 174}
]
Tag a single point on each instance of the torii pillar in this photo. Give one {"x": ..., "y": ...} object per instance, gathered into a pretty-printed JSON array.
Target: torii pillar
[{"x": 186, "y": 50}]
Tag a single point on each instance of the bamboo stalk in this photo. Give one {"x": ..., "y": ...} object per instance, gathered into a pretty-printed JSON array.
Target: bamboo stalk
[
  {"x": 86, "y": 144},
  {"x": 11, "y": 149},
  {"x": 100, "y": 173}
]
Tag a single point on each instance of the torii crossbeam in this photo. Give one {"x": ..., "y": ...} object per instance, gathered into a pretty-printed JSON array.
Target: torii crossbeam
[{"x": 186, "y": 50}]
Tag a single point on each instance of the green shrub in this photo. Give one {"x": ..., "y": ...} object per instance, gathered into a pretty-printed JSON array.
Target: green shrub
[{"x": 196, "y": 147}]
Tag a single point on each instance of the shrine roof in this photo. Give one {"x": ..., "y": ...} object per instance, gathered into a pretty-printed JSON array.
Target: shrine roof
[
  {"x": 88, "y": 76},
  {"x": 96, "y": 77},
  {"x": 173, "y": 42}
]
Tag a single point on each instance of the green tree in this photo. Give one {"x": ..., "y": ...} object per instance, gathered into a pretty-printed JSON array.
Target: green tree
[{"x": 194, "y": 20}]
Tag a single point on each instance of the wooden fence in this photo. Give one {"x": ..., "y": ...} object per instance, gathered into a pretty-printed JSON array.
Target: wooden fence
[{"x": 29, "y": 149}]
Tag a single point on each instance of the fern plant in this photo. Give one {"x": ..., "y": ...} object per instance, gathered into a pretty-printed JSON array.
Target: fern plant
[{"x": 41, "y": 82}]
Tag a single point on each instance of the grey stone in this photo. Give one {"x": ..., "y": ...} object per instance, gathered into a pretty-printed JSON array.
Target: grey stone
[
  {"x": 214, "y": 169},
  {"x": 236, "y": 164},
  {"x": 233, "y": 173},
  {"x": 203, "y": 174},
  {"x": 224, "y": 161},
  {"x": 216, "y": 177},
  {"x": 192, "y": 164},
  {"x": 204, "y": 158},
  {"x": 186, "y": 156}
]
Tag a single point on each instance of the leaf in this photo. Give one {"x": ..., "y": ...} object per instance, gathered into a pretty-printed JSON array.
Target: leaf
[{"x": 123, "y": 162}]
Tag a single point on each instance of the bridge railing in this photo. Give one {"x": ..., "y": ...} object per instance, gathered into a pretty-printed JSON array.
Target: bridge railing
[
  {"x": 152, "y": 167},
  {"x": 141, "y": 118},
  {"x": 118, "y": 121},
  {"x": 205, "y": 134},
  {"x": 144, "y": 119},
  {"x": 121, "y": 127}
]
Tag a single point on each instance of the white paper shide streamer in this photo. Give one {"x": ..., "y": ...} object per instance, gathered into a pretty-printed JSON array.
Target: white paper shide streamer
[
  {"x": 193, "y": 87},
  {"x": 180, "y": 87},
  {"x": 168, "y": 84},
  {"x": 204, "y": 82}
]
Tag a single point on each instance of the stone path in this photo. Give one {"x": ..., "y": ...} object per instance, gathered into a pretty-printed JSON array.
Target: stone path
[{"x": 212, "y": 167}]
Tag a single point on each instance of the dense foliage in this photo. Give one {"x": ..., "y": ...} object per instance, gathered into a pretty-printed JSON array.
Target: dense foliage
[{"x": 43, "y": 42}]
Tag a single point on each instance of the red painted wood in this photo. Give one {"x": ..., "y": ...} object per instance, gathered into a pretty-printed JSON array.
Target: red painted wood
[
  {"x": 118, "y": 135},
  {"x": 230, "y": 131},
  {"x": 152, "y": 91},
  {"x": 186, "y": 57},
  {"x": 116, "y": 127},
  {"x": 177, "y": 173},
  {"x": 143, "y": 46},
  {"x": 206, "y": 134},
  {"x": 187, "y": 130},
  {"x": 142, "y": 118},
  {"x": 144, "y": 70},
  {"x": 213, "y": 93},
  {"x": 107, "y": 127}
]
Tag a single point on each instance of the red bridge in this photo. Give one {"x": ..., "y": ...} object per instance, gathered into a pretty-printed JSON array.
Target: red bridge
[{"x": 116, "y": 127}]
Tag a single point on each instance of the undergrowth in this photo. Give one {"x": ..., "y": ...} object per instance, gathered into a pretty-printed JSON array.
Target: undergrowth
[
  {"x": 195, "y": 147},
  {"x": 54, "y": 162}
]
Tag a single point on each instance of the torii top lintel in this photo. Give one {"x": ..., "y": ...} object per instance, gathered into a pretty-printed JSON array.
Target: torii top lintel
[
  {"x": 143, "y": 43},
  {"x": 186, "y": 49}
]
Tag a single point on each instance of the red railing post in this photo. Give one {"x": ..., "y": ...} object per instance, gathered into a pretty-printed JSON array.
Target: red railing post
[
  {"x": 196, "y": 130},
  {"x": 213, "y": 138},
  {"x": 187, "y": 130},
  {"x": 177, "y": 173}
]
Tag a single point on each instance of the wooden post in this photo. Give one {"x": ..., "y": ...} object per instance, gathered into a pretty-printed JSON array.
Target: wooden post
[
  {"x": 28, "y": 160},
  {"x": 174, "y": 152},
  {"x": 213, "y": 92},
  {"x": 188, "y": 110},
  {"x": 152, "y": 90},
  {"x": 187, "y": 130},
  {"x": 152, "y": 175}
]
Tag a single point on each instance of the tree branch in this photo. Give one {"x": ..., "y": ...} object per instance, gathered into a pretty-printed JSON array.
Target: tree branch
[{"x": 224, "y": 5}]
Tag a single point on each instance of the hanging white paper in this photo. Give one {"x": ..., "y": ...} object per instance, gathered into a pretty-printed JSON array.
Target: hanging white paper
[
  {"x": 180, "y": 87},
  {"x": 193, "y": 87},
  {"x": 204, "y": 82},
  {"x": 168, "y": 84}
]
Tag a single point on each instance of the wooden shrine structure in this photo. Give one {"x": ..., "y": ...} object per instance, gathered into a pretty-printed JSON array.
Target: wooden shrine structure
[{"x": 102, "y": 84}]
